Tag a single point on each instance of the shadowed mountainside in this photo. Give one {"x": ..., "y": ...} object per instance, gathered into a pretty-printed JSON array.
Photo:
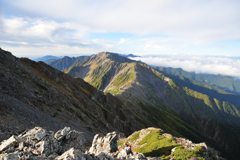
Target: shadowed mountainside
[
  {"x": 34, "y": 93},
  {"x": 65, "y": 62}
]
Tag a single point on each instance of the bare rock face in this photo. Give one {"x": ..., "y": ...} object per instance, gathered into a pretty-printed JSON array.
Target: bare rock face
[
  {"x": 105, "y": 147},
  {"x": 65, "y": 144},
  {"x": 38, "y": 143},
  {"x": 106, "y": 144},
  {"x": 72, "y": 154},
  {"x": 59, "y": 135},
  {"x": 11, "y": 142}
]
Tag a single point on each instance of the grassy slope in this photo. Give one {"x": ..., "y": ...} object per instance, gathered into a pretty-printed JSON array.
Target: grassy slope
[
  {"x": 208, "y": 89},
  {"x": 192, "y": 105},
  {"x": 213, "y": 117},
  {"x": 154, "y": 144},
  {"x": 217, "y": 119},
  {"x": 224, "y": 82}
]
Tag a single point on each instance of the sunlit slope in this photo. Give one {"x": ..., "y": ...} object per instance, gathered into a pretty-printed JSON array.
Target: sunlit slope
[{"x": 226, "y": 83}]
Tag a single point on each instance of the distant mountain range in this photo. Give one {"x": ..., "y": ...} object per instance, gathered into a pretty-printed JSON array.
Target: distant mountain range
[
  {"x": 224, "y": 88},
  {"x": 209, "y": 89},
  {"x": 133, "y": 96},
  {"x": 226, "y": 83},
  {"x": 49, "y": 59},
  {"x": 45, "y": 58}
]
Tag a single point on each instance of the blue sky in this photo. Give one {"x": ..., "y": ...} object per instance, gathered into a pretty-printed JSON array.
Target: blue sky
[
  {"x": 67, "y": 27},
  {"x": 165, "y": 31}
]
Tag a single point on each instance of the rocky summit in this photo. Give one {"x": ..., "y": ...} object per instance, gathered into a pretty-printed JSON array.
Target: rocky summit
[{"x": 66, "y": 144}]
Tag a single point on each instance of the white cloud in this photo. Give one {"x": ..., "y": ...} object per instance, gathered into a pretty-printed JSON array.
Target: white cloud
[
  {"x": 39, "y": 33},
  {"x": 15, "y": 28},
  {"x": 202, "y": 21},
  {"x": 123, "y": 40},
  {"x": 197, "y": 64},
  {"x": 157, "y": 26}
]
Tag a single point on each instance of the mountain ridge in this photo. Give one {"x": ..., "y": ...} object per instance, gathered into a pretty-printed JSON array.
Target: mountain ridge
[
  {"x": 48, "y": 90},
  {"x": 208, "y": 89},
  {"x": 58, "y": 96},
  {"x": 141, "y": 84},
  {"x": 75, "y": 102},
  {"x": 39, "y": 84}
]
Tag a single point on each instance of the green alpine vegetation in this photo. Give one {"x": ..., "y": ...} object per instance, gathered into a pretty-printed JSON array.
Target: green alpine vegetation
[
  {"x": 181, "y": 154},
  {"x": 156, "y": 145},
  {"x": 154, "y": 142},
  {"x": 205, "y": 88},
  {"x": 226, "y": 83}
]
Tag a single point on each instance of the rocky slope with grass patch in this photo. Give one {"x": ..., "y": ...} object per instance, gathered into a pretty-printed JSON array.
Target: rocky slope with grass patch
[
  {"x": 154, "y": 142},
  {"x": 35, "y": 94},
  {"x": 166, "y": 102},
  {"x": 146, "y": 144}
]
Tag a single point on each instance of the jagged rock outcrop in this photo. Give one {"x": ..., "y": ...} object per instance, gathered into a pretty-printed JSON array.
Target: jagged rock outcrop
[
  {"x": 71, "y": 154},
  {"x": 65, "y": 144},
  {"x": 39, "y": 143},
  {"x": 107, "y": 147},
  {"x": 106, "y": 144}
]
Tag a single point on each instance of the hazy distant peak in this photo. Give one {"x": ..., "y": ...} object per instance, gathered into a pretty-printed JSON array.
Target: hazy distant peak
[
  {"x": 66, "y": 57},
  {"x": 132, "y": 55},
  {"x": 45, "y": 58}
]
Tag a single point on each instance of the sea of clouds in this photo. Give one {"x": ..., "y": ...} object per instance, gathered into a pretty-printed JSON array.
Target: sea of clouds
[{"x": 199, "y": 64}]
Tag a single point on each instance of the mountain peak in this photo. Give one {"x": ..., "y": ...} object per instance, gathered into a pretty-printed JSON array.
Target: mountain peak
[
  {"x": 107, "y": 54},
  {"x": 112, "y": 56}
]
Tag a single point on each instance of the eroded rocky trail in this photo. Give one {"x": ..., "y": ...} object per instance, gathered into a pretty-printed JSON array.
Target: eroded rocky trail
[{"x": 38, "y": 143}]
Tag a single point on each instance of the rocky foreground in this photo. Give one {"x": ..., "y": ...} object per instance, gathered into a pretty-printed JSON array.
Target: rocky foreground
[{"x": 39, "y": 143}]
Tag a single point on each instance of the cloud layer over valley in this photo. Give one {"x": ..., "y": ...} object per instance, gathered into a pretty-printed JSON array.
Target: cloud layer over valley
[{"x": 198, "y": 64}]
